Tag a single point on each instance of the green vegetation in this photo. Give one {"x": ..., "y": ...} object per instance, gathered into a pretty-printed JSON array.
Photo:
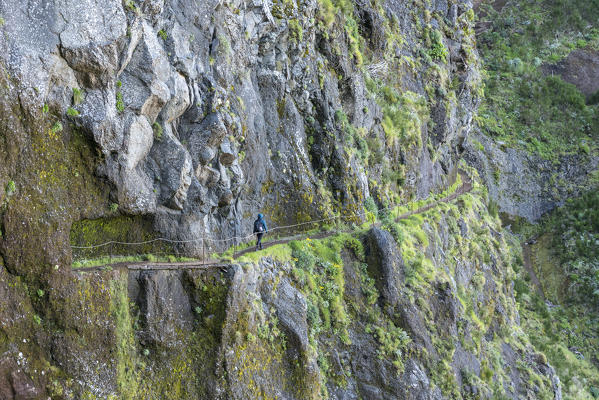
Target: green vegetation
[
  {"x": 392, "y": 343},
  {"x": 524, "y": 107},
  {"x": 11, "y": 188},
  {"x": 157, "y": 129},
  {"x": 328, "y": 10},
  {"x": 56, "y": 128},
  {"x": 163, "y": 35},
  {"x": 125, "y": 341},
  {"x": 127, "y": 229},
  {"x": 107, "y": 260},
  {"x": 575, "y": 245},
  {"x": 296, "y": 33},
  {"x": 113, "y": 207},
  {"x": 131, "y": 6},
  {"x": 77, "y": 96},
  {"x": 404, "y": 115},
  {"x": 353, "y": 137},
  {"x": 71, "y": 112},
  {"x": 565, "y": 258},
  {"x": 120, "y": 105},
  {"x": 319, "y": 270},
  {"x": 437, "y": 50}
]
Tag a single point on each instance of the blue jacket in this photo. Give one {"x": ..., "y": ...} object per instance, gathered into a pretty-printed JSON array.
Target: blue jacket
[{"x": 260, "y": 220}]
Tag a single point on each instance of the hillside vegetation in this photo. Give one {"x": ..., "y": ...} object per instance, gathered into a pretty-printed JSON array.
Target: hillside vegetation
[{"x": 525, "y": 105}]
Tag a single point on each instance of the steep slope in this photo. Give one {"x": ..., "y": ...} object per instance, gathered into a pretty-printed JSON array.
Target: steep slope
[
  {"x": 422, "y": 308},
  {"x": 137, "y": 119},
  {"x": 563, "y": 255},
  {"x": 538, "y": 137}
]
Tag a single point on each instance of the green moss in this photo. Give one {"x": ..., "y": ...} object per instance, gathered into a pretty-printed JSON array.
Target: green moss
[
  {"x": 78, "y": 96},
  {"x": 296, "y": 33},
  {"x": 437, "y": 50},
  {"x": 125, "y": 229},
  {"x": 120, "y": 104},
  {"x": 125, "y": 342},
  {"x": 157, "y": 129},
  {"x": 71, "y": 112}
]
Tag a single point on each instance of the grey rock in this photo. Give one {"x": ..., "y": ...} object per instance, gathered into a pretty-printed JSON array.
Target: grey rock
[
  {"x": 180, "y": 98},
  {"x": 526, "y": 185},
  {"x": 385, "y": 264},
  {"x": 138, "y": 142},
  {"x": 292, "y": 311},
  {"x": 207, "y": 176},
  {"x": 174, "y": 170},
  {"x": 165, "y": 308},
  {"x": 227, "y": 155}
]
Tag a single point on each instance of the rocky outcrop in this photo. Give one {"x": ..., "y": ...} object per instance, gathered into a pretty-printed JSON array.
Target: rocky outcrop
[
  {"x": 580, "y": 68},
  {"x": 526, "y": 185},
  {"x": 384, "y": 259}
]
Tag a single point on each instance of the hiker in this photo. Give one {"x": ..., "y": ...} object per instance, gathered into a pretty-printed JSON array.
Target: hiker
[{"x": 260, "y": 229}]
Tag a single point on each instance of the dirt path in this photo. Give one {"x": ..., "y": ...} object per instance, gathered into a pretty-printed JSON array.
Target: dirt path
[
  {"x": 210, "y": 264},
  {"x": 527, "y": 259}
]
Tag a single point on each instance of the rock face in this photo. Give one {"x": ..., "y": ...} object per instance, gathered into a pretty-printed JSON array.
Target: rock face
[
  {"x": 526, "y": 185},
  {"x": 385, "y": 260},
  {"x": 196, "y": 115},
  {"x": 205, "y": 114},
  {"x": 580, "y": 68}
]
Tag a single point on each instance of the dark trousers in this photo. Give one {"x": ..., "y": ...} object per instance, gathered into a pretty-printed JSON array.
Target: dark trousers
[{"x": 259, "y": 241}]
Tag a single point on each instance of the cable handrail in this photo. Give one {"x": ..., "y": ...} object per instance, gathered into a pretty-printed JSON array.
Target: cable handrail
[{"x": 246, "y": 237}]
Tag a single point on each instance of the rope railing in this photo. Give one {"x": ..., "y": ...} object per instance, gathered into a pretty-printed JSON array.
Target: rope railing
[{"x": 236, "y": 239}]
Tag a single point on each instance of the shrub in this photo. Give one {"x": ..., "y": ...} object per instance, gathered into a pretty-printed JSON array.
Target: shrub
[
  {"x": 120, "y": 105},
  {"x": 326, "y": 12},
  {"x": 56, "y": 128},
  {"x": 437, "y": 50},
  {"x": 493, "y": 208},
  {"x": 157, "y": 129},
  {"x": 77, "y": 96},
  {"x": 593, "y": 99},
  {"x": 162, "y": 34},
  {"x": 10, "y": 188},
  {"x": 404, "y": 116},
  {"x": 371, "y": 207},
  {"x": 296, "y": 33},
  {"x": 71, "y": 112}
]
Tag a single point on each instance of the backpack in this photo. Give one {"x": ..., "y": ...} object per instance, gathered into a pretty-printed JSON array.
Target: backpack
[{"x": 258, "y": 226}]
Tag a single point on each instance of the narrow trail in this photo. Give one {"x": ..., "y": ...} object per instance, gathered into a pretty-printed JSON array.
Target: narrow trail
[
  {"x": 466, "y": 187},
  {"x": 527, "y": 259}
]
